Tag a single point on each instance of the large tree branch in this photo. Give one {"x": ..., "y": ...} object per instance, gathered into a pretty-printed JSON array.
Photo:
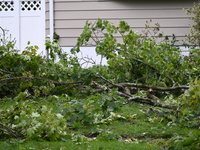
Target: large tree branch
[
  {"x": 131, "y": 98},
  {"x": 153, "y": 87},
  {"x": 123, "y": 85}
]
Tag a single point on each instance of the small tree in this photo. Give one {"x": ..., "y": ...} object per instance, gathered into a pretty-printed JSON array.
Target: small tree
[{"x": 194, "y": 36}]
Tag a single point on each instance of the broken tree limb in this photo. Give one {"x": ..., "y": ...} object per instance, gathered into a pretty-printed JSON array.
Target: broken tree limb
[
  {"x": 123, "y": 85},
  {"x": 149, "y": 102},
  {"x": 153, "y": 87},
  {"x": 143, "y": 100},
  {"x": 10, "y": 131},
  {"x": 122, "y": 88},
  {"x": 123, "y": 94},
  {"x": 115, "y": 85},
  {"x": 131, "y": 98}
]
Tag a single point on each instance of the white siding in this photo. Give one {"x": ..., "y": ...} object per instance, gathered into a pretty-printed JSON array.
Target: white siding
[{"x": 70, "y": 16}]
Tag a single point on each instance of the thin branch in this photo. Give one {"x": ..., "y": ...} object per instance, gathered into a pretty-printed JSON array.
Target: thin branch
[
  {"x": 5, "y": 71},
  {"x": 99, "y": 76},
  {"x": 150, "y": 102},
  {"x": 115, "y": 85},
  {"x": 86, "y": 60},
  {"x": 123, "y": 85},
  {"x": 10, "y": 131},
  {"x": 4, "y": 34},
  {"x": 155, "y": 69}
]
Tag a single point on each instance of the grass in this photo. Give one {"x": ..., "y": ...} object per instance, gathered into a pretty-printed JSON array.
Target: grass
[
  {"x": 94, "y": 145},
  {"x": 136, "y": 133}
]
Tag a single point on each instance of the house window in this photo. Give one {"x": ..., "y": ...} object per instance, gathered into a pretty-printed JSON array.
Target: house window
[
  {"x": 31, "y": 5},
  {"x": 6, "y": 6}
]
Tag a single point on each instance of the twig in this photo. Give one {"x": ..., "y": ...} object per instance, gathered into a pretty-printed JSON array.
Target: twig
[
  {"x": 115, "y": 85},
  {"x": 86, "y": 60},
  {"x": 4, "y": 34}
]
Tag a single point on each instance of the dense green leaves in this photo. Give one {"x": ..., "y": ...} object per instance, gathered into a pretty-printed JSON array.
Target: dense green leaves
[
  {"x": 53, "y": 98},
  {"x": 137, "y": 58},
  {"x": 33, "y": 122}
]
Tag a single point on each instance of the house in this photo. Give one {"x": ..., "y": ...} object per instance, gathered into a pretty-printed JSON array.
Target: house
[
  {"x": 35, "y": 20},
  {"x": 69, "y": 16}
]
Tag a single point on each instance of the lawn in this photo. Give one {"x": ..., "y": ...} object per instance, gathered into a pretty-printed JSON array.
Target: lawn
[{"x": 138, "y": 131}]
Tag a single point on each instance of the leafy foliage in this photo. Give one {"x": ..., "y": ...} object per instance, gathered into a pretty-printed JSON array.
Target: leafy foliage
[
  {"x": 54, "y": 98},
  {"x": 190, "y": 106},
  {"x": 136, "y": 58},
  {"x": 33, "y": 122},
  {"x": 190, "y": 142}
]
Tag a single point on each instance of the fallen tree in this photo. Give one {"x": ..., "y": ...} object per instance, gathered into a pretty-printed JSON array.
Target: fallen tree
[{"x": 139, "y": 70}]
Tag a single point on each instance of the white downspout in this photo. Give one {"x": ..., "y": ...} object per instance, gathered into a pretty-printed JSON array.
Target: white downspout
[
  {"x": 51, "y": 18},
  {"x": 51, "y": 23},
  {"x": 18, "y": 24}
]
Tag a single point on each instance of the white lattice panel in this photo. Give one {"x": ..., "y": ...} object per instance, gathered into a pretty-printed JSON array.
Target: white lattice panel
[
  {"x": 24, "y": 20},
  {"x": 30, "y": 5},
  {"x": 6, "y": 6}
]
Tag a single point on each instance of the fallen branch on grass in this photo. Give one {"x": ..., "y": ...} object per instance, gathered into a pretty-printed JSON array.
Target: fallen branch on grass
[
  {"x": 10, "y": 131},
  {"x": 130, "y": 98},
  {"x": 149, "y": 102},
  {"x": 153, "y": 87},
  {"x": 123, "y": 85}
]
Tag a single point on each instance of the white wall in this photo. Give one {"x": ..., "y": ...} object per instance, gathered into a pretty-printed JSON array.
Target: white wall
[
  {"x": 25, "y": 22},
  {"x": 88, "y": 56}
]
